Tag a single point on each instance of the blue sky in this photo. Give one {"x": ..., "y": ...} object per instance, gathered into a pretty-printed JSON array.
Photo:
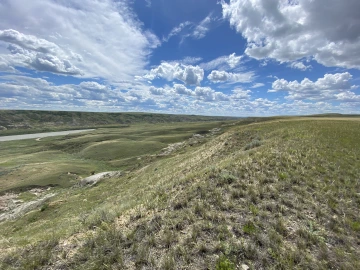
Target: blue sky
[{"x": 209, "y": 57}]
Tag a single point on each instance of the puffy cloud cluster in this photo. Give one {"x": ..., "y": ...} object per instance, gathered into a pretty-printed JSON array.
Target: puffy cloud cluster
[
  {"x": 182, "y": 90},
  {"x": 92, "y": 86},
  {"x": 330, "y": 87},
  {"x": 223, "y": 76},
  {"x": 239, "y": 93},
  {"x": 157, "y": 91},
  {"x": 36, "y": 53},
  {"x": 299, "y": 65},
  {"x": 68, "y": 38},
  {"x": 190, "y": 75},
  {"x": 327, "y": 30},
  {"x": 208, "y": 94},
  {"x": 35, "y": 93}
]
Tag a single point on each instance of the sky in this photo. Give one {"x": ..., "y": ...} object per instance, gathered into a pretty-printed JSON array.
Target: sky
[{"x": 206, "y": 57}]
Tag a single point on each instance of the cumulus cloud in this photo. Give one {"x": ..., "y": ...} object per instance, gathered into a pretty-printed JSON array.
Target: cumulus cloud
[
  {"x": 92, "y": 85},
  {"x": 68, "y": 38},
  {"x": 29, "y": 42},
  {"x": 34, "y": 93},
  {"x": 300, "y": 65},
  {"x": 182, "y": 90},
  {"x": 224, "y": 62},
  {"x": 223, "y": 76},
  {"x": 239, "y": 93},
  {"x": 330, "y": 87},
  {"x": 190, "y": 75},
  {"x": 208, "y": 94},
  {"x": 348, "y": 96},
  {"x": 39, "y": 54},
  {"x": 171, "y": 92},
  {"x": 233, "y": 60},
  {"x": 327, "y": 30},
  {"x": 157, "y": 91}
]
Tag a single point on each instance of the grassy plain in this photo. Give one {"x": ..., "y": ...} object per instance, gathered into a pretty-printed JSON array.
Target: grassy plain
[
  {"x": 60, "y": 161},
  {"x": 282, "y": 194}
]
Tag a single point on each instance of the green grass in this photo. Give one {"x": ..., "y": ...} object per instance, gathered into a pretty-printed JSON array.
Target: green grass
[
  {"x": 30, "y": 163},
  {"x": 291, "y": 203},
  {"x": 25, "y": 121}
]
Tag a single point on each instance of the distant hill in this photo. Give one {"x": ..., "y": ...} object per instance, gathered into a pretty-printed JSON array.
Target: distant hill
[
  {"x": 12, "y": 120},
  {"x": 333, "y": 115}
]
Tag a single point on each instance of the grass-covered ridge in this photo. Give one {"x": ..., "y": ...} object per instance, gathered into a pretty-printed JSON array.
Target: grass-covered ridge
[
  {"x": 273, "y": 195},
  {"x": 27, "y": 121}
]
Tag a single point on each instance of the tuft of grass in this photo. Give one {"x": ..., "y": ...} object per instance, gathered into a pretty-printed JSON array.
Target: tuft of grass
[
  {"x": 249, "y": 228},
  {"x": 223, "y": 263},
  {"x": 253, "y": 144}
]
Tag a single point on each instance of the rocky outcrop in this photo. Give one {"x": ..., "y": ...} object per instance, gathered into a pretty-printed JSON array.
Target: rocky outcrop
[{"x": 94, "y": 179}]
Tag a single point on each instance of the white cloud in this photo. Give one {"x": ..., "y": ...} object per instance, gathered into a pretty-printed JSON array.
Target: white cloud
[
  {"x": 71, "y": 38},
  {"x": 239, "y": 93},
  {"x": 190, "y": 75},
  {"x": 190, "y": 60},
  {"x": 189, "y": 29},
  {"x": 182, "y": 90},
  {"x": 92, "y": 86},
  {"x": 327, "y": 30},
  {"x": 233, "y": 60},
  {"x": 348, "y": 96},
  {"x": 39, "y": 54},
  {"x": 224, "y": 62},
  {"x": 5, "y": 66},
  {"x": 300, "y": 65},
  {"x": 157, "y": 91},
  {"x": 177, "y": 30},
  {"x": 208, "y": 94},
  {"x": 35, "y": 93},
  {"x": 29, "y": 42},
  {"x": 257, "y": 85},
  {"x": 223, "y": 76},
  {"x": 202, "y": 28},
  {"x": 330, "y": 87}
]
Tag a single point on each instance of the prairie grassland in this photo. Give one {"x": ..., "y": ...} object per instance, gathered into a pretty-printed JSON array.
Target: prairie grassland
[
  {"x": 272, "y": 195},
  {"x": 29, "y": 163}
]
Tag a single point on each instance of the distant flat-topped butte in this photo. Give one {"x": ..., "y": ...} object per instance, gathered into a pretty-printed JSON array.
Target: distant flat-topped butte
[{"x": 40, "y": 135}]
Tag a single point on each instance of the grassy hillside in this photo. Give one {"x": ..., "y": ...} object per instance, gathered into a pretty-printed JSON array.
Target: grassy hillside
[
  {"x": 17, "y": 121},
  {"x": 61, "y": 161},
  {"x": 282, "y": 194}
]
